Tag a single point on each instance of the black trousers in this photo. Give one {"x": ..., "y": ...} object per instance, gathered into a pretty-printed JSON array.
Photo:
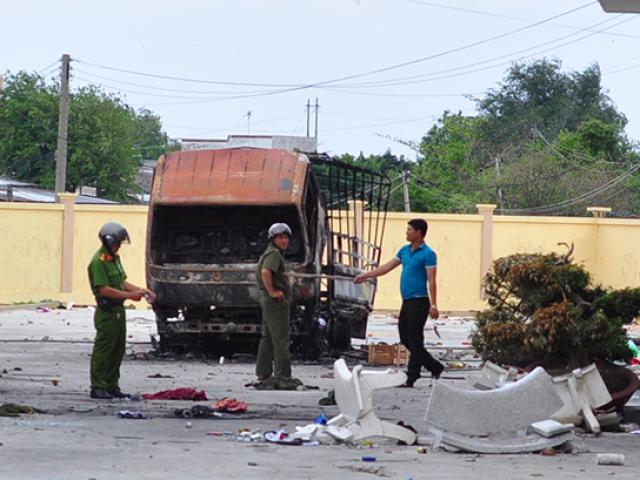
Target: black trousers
[{"x": 413, "y": 316}]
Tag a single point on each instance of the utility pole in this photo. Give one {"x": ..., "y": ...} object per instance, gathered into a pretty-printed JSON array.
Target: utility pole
[
  {"x": 248, "y": 115},
  {"x": 2, "y": 84},
  {"x": 308, "y": 116},
  {"x": 317, "y": 108},
  {"x": 499, "y": 190},
  {"x": 405, "y": 189},
  {"x": 63, "y": 120}
]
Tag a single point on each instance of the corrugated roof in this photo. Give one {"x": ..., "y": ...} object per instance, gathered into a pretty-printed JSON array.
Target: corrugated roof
[
  {"x": 250, "y": 176},
  {"x": 24, "y": 192}
]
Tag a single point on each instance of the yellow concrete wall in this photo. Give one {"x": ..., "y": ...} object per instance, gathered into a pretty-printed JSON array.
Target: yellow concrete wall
[
  {"x": 30, "y": 251},
  {"x": 88, "y": 220},
  {"x": 31, "y": 238},
  {"x": 618, "y": 253},
  {"x": 542, "y": 234},
  {"x": 456, "y": 240}
]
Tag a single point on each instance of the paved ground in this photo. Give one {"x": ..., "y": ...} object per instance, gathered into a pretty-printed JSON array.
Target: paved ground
[{"x": 46, "y": 358}]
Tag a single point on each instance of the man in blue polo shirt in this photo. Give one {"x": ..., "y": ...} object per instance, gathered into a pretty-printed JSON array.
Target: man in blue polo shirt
[{"x": 419, "y": 268}]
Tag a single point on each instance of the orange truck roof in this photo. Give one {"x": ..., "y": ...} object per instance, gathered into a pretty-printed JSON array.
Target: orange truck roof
[{"x": 233, "y": 176}]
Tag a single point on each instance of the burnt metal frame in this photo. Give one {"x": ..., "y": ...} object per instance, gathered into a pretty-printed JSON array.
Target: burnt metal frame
[{"x": 340, "y": 183}]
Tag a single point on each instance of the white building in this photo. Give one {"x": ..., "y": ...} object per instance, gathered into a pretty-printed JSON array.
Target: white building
[{"x": 285, "y": 142}]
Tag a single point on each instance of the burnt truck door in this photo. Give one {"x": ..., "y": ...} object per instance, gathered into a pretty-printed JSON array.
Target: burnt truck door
[{"x": 356, "y": 202}]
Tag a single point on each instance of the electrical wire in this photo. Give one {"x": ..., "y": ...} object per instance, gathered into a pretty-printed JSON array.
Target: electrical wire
[
  {"x": 42, "y": 70},
  {"x": 575, "y": 200},
  {"x": 151, "y": 87},
  {"x": 288, "y": 86},
  {"x": 424, "y": 77},
  {"x": 396, "y": 83},
  {"x": 506, "y": 17},
  {"x": 537, "y": 133}
]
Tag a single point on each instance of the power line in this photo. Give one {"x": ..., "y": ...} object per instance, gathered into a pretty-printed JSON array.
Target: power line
[
  {"x": 507, "y": 17},
  {"x": 423, "y": 76},
  {"x": 619, "y": 70},
  {"x": 288, "y": 86},
  {"x": 397, "y": 83},
  {"x": 575, "y": 200},
  {"x": 538, "y": 133},
  {"x": 151, "y": 87},
  {"x": 457, "y": 49},
  {"x": 56, "y": 63},
  {"x": 408, "y": 95}
]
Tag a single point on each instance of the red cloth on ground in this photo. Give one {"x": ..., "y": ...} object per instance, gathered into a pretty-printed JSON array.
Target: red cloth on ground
[
  {"x": 177, "y": 394},
  {"x": 230, "y": 405}
]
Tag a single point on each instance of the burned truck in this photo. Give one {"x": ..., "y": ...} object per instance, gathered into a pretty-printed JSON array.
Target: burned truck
[{"x": 207, "y": 227}]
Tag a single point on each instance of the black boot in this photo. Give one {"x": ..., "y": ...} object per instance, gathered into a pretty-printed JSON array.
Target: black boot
[
  {"x": 101, "y": 394},
  {"x": 117, "y": 393}
]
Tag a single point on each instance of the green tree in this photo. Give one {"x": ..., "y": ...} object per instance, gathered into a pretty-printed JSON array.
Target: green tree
[
  {"x": 105, "y": 136},
  {"x": 101, "y": 134},
  {"x": 387, "y": 164},
  {"x": 150, "y": 141},
  {"x": 539, "y": 95},
  {"x": 28, "y": 128},
  {"x": 445, "y": 176},
  {"x": 541, "y": 138}
]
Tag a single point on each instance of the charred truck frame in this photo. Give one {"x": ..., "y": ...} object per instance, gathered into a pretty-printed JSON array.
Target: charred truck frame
[{"x": 208, "y": 218}]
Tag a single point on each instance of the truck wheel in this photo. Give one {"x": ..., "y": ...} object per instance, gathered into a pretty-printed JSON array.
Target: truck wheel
[{"x": 339, "y": 334}]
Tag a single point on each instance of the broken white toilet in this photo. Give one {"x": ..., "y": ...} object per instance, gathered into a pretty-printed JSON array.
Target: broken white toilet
[
  {"x": 581, "y": 391},
  {"x": 354, "y": 396}
]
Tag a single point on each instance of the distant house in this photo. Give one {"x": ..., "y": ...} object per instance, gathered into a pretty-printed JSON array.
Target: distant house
[
  {"x": 284, "y": 142},
  {"x": 15, "y": 191}
]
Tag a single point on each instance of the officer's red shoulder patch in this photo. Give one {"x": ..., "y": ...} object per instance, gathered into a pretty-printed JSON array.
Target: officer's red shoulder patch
[{"x": 106, "y": 258}]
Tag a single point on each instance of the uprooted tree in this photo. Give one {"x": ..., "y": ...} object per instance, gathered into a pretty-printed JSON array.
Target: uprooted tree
[{"x": 543, "y": 309}]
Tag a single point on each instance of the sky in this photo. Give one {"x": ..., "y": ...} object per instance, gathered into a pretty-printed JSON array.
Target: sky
[{"x": 383, "y": 70}]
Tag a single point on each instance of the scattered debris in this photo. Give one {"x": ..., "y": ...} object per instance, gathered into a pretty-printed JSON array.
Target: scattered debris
[
  {"x": 159, "y": 375},
  {"x": 131, "y": 414},
  {"x": 81, "y": 408},
  {"x": 492, "y": 376},
  {"x": 550, "y": 428},
  {"x": 613, "y": 459},
  {"x": 197, "y": 411},
  {"x": 548, "y": 452},
  {"x": 629, "y": 427},
  {"x": 281, "y": 437},
  {"x": 230, "y": 405},
  {"x": 581, "y": 391},
  {"x": 368, "y": 458},
  {"x": 381, "y": 354},
  {"x": 354, "y": 395},
  {"x": 177, "y": 394},
  {"x": 379, "y": 471},
  {"x": 280, "y": 383},
  {"x": 496, "y": 414},
  {"x": 329, "y": 399},
  {"x": 14, "y": 410}
]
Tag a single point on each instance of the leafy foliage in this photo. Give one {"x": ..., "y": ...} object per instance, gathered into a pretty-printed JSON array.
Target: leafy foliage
[
  {"x": 542, "y": 137},
  {"x": 105, "y": 137},
  {"x": 543, "y": 309}
]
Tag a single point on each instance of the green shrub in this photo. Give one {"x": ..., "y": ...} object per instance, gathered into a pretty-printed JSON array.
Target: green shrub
[{"x": 544, "y": 310}]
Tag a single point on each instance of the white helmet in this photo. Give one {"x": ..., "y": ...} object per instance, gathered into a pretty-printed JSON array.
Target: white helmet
[{"x": 278, "y": 229}]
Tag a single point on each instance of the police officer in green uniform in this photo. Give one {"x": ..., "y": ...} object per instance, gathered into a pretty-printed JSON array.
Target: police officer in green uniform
[
  {"x": 275, "y": 303},
  {"x": 110, "y": 287}
]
